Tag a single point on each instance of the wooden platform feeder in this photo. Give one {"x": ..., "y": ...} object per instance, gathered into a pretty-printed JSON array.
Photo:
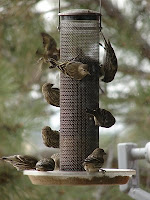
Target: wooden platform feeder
[{"x": 79, "y": 36}]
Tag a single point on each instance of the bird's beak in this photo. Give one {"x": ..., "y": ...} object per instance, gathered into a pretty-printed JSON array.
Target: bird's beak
[
  {"x": 88, "y": 73},
  {"x": 105, "y": 153}
]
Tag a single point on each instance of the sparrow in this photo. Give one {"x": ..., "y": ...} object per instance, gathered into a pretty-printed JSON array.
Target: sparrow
[
  {"x": 94, "y": 161},
  {"x": 56, "y": 158},
  {"x": 51, "y": 95},
  {"x": 45, "y": 164},
  {"x": 73, "y": 69},
  {"x": 21, "y": 162},
  {"x": 102, "y": 117},
  {"x": 50, "y": 137},
  {"x": 110, "y": 65}
]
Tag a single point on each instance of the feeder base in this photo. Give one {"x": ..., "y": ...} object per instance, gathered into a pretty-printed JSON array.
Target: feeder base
[{"x": 111, "y": 177}]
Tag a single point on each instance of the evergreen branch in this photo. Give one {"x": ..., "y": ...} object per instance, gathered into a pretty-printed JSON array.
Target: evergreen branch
[{"x": 123, "y": 23}]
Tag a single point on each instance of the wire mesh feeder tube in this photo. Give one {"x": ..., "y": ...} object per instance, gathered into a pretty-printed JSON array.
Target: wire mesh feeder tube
[{"x": 79, "y": 35}]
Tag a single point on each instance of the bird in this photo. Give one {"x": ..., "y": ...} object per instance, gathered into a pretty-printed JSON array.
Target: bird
[
  {"x": 45, "y": 164},
  {"x": 50, "y": 137},
  {"x": 21, "y": 162},
  {"x": 51, "y": 95},
  {"x": 56, "y": 158},
  {"x": 49, "y": 51},
  {"x": 95, "y": 161},
  {"x": 50, "y": 48},
  {"x": 72, "y": 68},
  {"x": 110, "y": 65},
  {"x": 102, "y": 117}
]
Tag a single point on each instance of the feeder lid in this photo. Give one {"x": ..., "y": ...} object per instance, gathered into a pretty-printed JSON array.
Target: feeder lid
[
  {"x": 111, "y": 177},
  {"x": 73, "y": 12}
]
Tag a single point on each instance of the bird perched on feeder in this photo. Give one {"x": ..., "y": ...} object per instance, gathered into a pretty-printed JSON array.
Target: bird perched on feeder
[
  {"x": 21, "y": 162},
  {"x": 110, "y": 65},
  {"x": 102, "y": 117},
  {"x": 45, "y": 164},
  {"x": 73, "y": 69},
  {"x": 51, "y": 95},
  {"x": 50, "y": 137},
  {"x": 94, "y": 161},
  {"x": 56, "y": 158}
]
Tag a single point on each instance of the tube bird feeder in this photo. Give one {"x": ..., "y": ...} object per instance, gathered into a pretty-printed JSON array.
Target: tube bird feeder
[{"x": 79, "y": 38}]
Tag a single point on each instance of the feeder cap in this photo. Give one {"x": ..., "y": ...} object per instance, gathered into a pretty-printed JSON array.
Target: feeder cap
[{"x": 74, "y": 12}]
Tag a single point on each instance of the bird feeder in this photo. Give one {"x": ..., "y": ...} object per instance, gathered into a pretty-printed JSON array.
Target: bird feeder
[{"x": 79, "y": 37}]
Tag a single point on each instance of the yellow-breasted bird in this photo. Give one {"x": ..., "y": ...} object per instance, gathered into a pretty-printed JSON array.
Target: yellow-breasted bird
[
  {"x": 56, "y": 158},
  {"x": 50, "y": 137},
  {"x": 73, "y": 69},
  {"x": 45, "y": 164},
  {"x": 51, "y": 95},
  {"x": 94, "y": 161},
  {"x": 102, "y": 117},
  {"x": 110, "y": 65},
  {"x": 21, "y": 162}
]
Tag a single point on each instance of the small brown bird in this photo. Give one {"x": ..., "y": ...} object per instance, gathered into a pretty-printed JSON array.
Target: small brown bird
[
  {"x": 109, "y": 67},
  {"x": 21, "y": 162},
  {"x": 50, "y": 137},
  {"x": 50, "y": 48},
  {"x": 50, "y": 51},
  {"x": 73, "y": 69},
  {"x": 56, "y": 158},
  {"x": 102, "y": 117},
  {"x": 94, "y": 161},
  {"x": 45, "y": 164},
  {"x": 51, "y": 95}
]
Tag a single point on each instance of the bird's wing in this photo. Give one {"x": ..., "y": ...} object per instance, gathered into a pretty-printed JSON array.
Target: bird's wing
[
  {"x": 92, "y": 158},
  {"x": 54, "y": 95},
  {"x": 27, "y": 159}
]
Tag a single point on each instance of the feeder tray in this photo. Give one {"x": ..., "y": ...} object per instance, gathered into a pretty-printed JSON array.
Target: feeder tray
[{"x": 111, "y": 176}]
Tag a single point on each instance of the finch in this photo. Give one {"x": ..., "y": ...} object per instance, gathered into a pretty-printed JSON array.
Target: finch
[
  {"x": 109, "y": 67},
  {"x": 21, "y": 162},
  {"x": 50, "y": 48},
  {"x": 94, "y": 161},
  {"x": 102, "y": 117},
  {"x": 50, "y": 137},
  {"x": 51, "y": 95},
  {"x": 73, "y": 69},
  {"x": 56, "y": 158},
  {"x": 49, "y": 51},
  {"x": 45, "y": 164}
]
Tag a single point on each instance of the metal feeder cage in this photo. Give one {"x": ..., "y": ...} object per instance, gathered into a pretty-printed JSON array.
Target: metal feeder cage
[{"x": 79, "y": 36}]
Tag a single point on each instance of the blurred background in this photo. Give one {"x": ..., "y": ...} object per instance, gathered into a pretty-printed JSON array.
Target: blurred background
[{"x": 23, "y": 110}]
